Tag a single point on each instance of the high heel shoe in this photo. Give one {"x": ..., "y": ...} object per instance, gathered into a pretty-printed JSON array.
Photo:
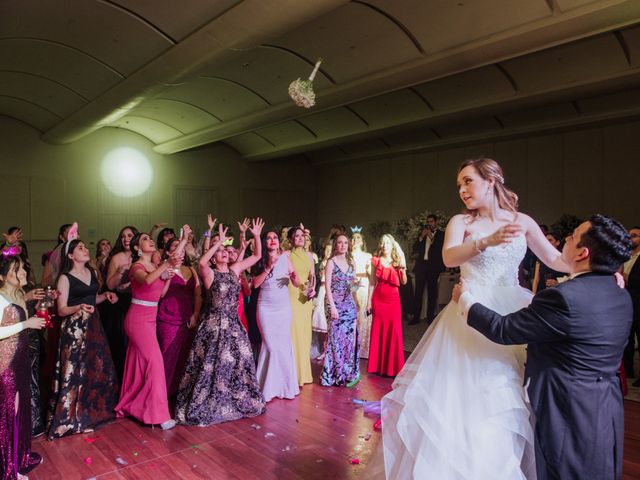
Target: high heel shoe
[
  {"x": 168, "y": 425},
  {"x": 354, "y": 382}
]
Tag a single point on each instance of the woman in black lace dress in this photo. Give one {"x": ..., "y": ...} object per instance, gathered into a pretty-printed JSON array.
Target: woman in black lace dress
[{"x": 220, "y": 381}]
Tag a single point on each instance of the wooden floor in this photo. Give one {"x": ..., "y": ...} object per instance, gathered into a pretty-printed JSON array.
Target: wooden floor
[{"x": 315, "y": 436}]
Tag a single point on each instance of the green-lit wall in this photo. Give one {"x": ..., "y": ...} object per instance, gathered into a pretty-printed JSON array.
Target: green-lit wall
[{"x": 44, "y": 186}]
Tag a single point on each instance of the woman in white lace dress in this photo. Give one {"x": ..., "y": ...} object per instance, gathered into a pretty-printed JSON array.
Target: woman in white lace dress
[{"x": 458, "y": 409}]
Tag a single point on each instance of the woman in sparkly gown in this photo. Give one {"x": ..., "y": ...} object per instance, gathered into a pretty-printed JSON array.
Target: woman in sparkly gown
[
  {"x": 341, "y": 361},
  {"x": 16, "y": 457},
  {"x": 219, "y": 383}
]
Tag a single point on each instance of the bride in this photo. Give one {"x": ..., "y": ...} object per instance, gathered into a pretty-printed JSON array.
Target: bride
[{"x": 458, "y": 409}]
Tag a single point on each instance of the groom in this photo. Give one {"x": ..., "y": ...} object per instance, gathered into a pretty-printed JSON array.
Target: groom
[{"x": 577, "y": 332}]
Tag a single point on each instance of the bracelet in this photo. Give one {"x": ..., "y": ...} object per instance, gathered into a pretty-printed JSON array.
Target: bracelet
[
  {"x": 476, "y": 243},
  {"x": 207, "y": 233}
]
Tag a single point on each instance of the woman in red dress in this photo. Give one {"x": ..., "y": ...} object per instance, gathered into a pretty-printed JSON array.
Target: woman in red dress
[{"x": 389, "y": 271}]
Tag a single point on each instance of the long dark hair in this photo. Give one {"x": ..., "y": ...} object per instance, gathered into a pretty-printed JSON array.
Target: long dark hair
[
  {"x": 7, "y": 262},
  {"x": 118, "y": 246},
  {"x": 261, "y": 265},
  {"x": 61, "y": 231},
  {"x": 334, "y": 246},
  {"x": 167, "y": 248},
  {"x": 160, "y": 245},
  {"x": 66, "y": 264},
  {"x": 135, "y": 242},
  {"x": 292, "y": 232}
]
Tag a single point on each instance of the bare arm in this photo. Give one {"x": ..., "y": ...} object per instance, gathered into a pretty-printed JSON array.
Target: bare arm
[
  {"x": 197, "y": 301},
  {"x": 142, "y": 276},
  {"x": 540, "y": 246},
  {"x": 242, "y": 265},
  {"x": 327, "y": 286},
  {"x": 63, "y": 297},
  {"x": 536, "y": 278},
  {"x": 117, "y": 266},
  {"x": 10, "y": 330},
  {"x": 205, "y": 259}
]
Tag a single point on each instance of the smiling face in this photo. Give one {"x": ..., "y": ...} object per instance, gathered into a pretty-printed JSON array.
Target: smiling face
[
  {"x": 125, "y": 238},
  {"x": 146, "y": 244},
  {"x": 474, "y": 191},
  {"x": 221, "y": 256},
  {"x": 272, "y": 241}
]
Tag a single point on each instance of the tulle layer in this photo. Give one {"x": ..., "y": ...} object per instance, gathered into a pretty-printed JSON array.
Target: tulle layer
[{"x": 458, "y": 409}]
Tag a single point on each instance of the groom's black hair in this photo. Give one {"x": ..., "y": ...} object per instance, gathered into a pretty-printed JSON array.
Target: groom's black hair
[{"x": 608, "y": 242}]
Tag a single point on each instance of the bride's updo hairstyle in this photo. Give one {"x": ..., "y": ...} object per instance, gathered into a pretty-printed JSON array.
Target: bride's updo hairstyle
[{"x": 489, "y": 169}]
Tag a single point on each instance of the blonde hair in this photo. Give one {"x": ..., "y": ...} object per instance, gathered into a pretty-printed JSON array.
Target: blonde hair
[
  {"x": 395, "y": 255},
  {"x": 489, "y": 169}
]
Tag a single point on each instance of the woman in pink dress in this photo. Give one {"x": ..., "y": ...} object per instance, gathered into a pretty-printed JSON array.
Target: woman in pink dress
[
  {"x": 144, "y": 389},
  {"x": 178, "y": 312},
  {"x": 389, "y": 271}
]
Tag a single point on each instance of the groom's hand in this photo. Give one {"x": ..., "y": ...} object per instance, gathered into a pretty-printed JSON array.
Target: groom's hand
[{"x": 458, "y": 289}]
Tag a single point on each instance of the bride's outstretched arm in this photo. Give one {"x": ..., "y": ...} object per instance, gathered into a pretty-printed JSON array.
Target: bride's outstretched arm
[{"x": 540, "y": 246}]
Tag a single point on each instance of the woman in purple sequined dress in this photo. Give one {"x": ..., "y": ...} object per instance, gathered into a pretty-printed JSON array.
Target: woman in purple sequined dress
[
  {"x": 16, "y": 457},
  {"x": 342, "y": 359}
]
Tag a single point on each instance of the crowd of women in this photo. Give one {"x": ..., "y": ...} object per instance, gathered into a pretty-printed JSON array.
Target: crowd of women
[{"x": 166, "y": 329}]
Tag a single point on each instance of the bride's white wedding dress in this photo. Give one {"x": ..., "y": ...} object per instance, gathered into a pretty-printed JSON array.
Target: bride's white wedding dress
[{"x": 458, "y": 409}]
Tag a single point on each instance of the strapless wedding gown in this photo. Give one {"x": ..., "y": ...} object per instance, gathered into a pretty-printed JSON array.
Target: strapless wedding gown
[{"x": 458, "y": 409}]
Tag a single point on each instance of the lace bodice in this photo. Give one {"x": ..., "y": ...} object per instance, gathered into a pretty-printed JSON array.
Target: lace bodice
[{"x": 496, "y": 266}]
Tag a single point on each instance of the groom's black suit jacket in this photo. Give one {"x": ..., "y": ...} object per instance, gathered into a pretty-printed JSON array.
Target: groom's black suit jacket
[{"x": 576, "y": 333}]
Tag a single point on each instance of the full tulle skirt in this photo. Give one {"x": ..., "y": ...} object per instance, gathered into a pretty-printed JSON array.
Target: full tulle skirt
[{"x": 458, "y": 409}]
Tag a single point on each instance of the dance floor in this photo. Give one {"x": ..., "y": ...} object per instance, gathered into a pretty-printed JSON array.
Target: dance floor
[{"x": 317, "y": 435}]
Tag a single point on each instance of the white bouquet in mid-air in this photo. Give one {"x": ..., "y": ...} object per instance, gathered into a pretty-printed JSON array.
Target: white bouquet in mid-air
[{"x": 301, "y": 91}]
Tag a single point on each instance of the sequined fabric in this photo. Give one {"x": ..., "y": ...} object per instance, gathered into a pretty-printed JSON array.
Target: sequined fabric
[
  {"x": 220, "y": 381},
  {"x": 15, "y": 427}
]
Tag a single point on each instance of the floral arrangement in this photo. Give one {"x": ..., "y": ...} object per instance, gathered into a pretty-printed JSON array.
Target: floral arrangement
[
  {"x": 410, "y": 228},
  {"x": 301, "y": 91},
  {"x": 565, "y": 224}
]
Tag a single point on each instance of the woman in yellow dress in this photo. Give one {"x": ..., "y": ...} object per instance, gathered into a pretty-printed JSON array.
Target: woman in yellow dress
[{"x": 301, "y": 303}]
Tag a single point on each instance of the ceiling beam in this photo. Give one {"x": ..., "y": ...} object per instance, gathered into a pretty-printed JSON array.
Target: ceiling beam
[
  {"x": 244, "y": 26},
  {"x": 554, "y": 30}
]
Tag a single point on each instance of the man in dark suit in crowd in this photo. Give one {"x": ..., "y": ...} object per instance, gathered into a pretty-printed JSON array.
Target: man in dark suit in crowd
[
  {"x": 429, "y": 265},
  {"x": 631, "y": 273},
  {"x": 576, "y": 333}
]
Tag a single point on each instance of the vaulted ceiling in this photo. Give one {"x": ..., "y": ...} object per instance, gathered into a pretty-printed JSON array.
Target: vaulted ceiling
[{"x": 396, "y": 74}]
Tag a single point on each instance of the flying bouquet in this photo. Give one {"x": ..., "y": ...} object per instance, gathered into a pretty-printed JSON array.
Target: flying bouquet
[{"x": 301, "y": 91}]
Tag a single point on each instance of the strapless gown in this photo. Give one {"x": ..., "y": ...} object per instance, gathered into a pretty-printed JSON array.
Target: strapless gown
[{"x": 458, "y": 409}]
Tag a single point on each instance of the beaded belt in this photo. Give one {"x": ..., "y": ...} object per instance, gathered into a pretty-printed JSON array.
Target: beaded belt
[{"x": 144, "y": 303}]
